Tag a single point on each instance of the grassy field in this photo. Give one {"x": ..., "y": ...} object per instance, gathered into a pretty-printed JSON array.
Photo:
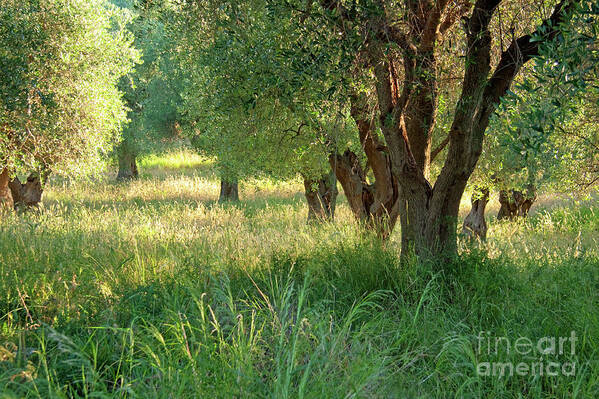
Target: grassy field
[{"x": 151, "y": 289}]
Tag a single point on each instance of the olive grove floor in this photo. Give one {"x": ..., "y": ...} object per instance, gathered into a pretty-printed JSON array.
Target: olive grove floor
[{"x": 152, "y": 289}]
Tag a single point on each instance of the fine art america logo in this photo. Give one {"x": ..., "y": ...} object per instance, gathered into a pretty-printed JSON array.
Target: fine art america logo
[{"x": 549, "y": 355}]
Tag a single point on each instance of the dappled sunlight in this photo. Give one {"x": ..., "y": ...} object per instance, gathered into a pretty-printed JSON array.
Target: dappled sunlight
[{"x": 274, "y": 200}]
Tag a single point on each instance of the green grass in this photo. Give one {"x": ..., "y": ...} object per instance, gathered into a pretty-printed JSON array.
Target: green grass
[{"x": 151, "y": 289}]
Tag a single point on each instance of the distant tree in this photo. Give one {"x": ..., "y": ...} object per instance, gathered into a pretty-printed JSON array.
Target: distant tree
[
  {"x": 269, "y": 118},
  {"x": 60, "y": 108},
  {"x": 152, "y": 90}
]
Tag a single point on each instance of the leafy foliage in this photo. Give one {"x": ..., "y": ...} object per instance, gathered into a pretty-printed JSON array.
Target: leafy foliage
[
  {"x": 545, "y": 133},
  {"x": 152, "y": 90},
  {"x": 261, "y": 97},
  {"x": 60, "y": 62}
]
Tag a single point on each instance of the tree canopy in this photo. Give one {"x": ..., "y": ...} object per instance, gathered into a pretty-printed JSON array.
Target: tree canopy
[
  {"x": 395, "y": 68},
  {"x": 60, "y": 62}
]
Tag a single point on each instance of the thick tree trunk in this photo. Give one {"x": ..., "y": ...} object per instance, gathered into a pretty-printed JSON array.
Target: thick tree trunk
[
  {"x": 127, "y": 166},
  {"x": 516, "y": 203},
  {"x": 229, "y": 191},
  {"x": 375, "y": 206},
  {"x": 475, "y": 225},
  {"x": 321, "y": 196},
  {"x": 28, "y": 194},
  {"x": 6, "y": 200}
]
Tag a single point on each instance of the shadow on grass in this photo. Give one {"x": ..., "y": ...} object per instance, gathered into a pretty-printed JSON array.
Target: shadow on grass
[{"x": 336, "y": 308}]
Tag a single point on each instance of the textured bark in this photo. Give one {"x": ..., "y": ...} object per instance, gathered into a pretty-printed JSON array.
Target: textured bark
[
  {"x": 229, "y": 191},
  {"x": 374, "y": 209},
  {"x": 475, "y": 225},
  {"x": 516, "y": 203},
  {"x": 321, "y": 196},
  {"x": 6, "y": 200},
  {"x": 28, "y": 194},
  {"x": 429, "y": 214},
  {"x": 127, "y": 166},
  {"x": 375, "y": 205}
]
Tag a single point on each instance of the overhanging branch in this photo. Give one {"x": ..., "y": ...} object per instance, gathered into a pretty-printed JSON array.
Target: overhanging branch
[
  {"x": 439, "y": 148},
  {"x": 519, "y": 52}
]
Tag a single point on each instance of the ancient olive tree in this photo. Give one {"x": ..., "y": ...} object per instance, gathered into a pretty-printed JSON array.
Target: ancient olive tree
[
  {"x": 60, "y": 109},
  {"x": 402, "y": 44}
]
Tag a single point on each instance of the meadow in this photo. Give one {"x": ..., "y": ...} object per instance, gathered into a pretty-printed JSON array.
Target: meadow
[{"x": 151, "y": 289}]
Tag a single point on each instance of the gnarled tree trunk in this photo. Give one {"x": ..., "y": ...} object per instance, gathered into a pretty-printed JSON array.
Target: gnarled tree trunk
[
  {"x": 516, "y": 203},
  {"x": 6, "y": 200},
  {"x": 229, "y": 190},
  {"x": 407, "y": 103},
  {"x": 475, "y": 225},
  {"x": 127, "y": 166},
  {"x": 28, "y": 194},
  {"x": 321, "y": 196},
  {"x": 375, "y": 205}
]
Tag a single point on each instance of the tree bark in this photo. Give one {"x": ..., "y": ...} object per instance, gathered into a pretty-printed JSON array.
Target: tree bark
[
  {"x": 475, "y": 225},
  {"x": 6, "y": 200},
  {"x": 127, "y": 166},
  {"x": 516, "y": 203},
  {"x": 28, "y": 194},
  {"x": 321, "y": 196},
  {"x": 374, "y": 205},
  {"x": 429, "y": 213},
  {"x": 229, "y": 190}
]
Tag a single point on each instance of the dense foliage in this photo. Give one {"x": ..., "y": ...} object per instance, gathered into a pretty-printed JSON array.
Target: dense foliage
[
  {"x": 150, "y": 288},
  {"x": 152, "y": 90},
  {"x": 60, "y": 62},
  {"x": 259, "y": 98},
  {"x": 545, "y": 132}
]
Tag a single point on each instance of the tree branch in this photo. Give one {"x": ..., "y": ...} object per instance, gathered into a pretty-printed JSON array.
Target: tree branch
[
  {"x": 439, "y": 148},
  {"x": 452, "y": 16},
  {"x": 519, "y": 52},
  {"x": 431, "y": 27}
]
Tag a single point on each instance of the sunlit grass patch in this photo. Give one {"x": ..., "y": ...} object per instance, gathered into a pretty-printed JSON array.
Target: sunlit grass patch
[{"x": 174, "y": 159}]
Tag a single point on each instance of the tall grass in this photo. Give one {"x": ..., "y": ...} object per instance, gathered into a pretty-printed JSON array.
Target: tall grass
[{"x": 151, "y": 289}]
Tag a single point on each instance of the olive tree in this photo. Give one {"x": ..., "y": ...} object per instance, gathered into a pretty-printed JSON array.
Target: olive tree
[
  {"x": 399, "y": 51},
  {"x": 60, "y": 108},
  {"x": 403, "y": 43},
  {"x": 152, "y": 90},
  {"x": 269, "y": 118}
]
